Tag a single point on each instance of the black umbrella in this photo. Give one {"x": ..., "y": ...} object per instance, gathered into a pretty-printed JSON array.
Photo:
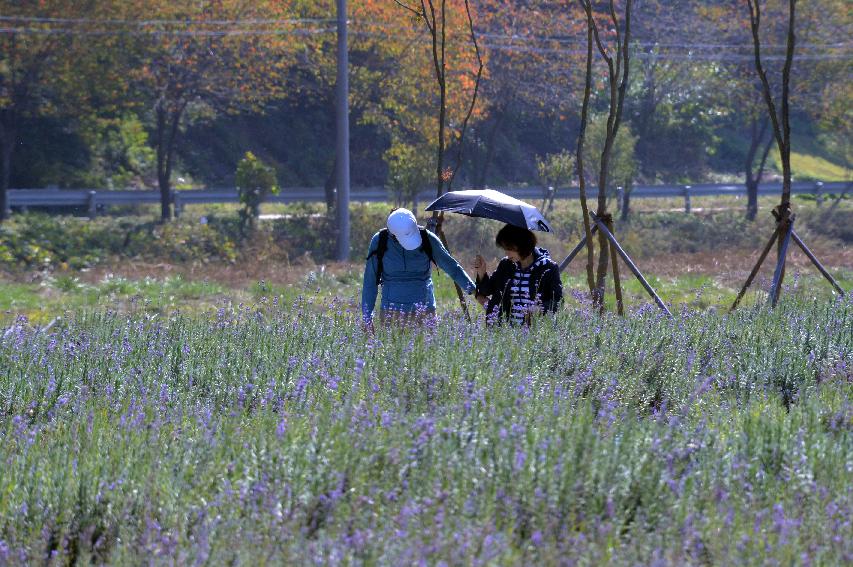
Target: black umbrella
[{"x": 491, "y": 204}]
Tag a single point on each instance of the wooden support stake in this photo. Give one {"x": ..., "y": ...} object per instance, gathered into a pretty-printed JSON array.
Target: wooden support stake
[
  {"x": 565, "y": 263},
  {"x": 817, "y": 263},
  {"x": 630, "y": 263},
  {"x": 617, "y": 282},
  {"x": 755, "y": 268},
  {"x": 779, "y": 274}
]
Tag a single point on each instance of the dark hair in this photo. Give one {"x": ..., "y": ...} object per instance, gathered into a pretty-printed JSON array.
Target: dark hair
[{"x": 516, "y": 238}]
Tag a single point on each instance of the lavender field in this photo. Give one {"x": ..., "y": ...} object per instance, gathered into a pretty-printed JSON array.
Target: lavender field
[{"x": 283, "y": 434}]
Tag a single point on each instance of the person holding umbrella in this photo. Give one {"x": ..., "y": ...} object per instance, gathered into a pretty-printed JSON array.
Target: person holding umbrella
[
  {"x": 526, "y": 281},
  {"x": 400, "y": 259}
]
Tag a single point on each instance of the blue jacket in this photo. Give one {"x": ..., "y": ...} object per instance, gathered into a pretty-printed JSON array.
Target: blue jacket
[{"x": 406, "y": 276}]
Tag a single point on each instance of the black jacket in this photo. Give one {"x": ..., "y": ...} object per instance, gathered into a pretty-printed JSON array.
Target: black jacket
[{"x": 545, "y": 276}]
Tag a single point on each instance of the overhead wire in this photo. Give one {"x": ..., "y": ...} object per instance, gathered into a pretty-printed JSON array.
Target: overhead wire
[
  {"x": 525, "y": 43},
  {"x": 109, "y": 21}
]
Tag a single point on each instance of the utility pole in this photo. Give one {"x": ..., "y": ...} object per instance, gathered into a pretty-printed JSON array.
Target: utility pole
[{"x": 343, "y": 135}]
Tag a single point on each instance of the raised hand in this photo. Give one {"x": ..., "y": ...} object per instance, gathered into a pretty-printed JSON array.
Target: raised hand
[{"x": 479, "y": 265}]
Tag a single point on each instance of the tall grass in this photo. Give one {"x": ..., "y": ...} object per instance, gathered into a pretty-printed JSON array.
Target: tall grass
[{"x": 284, "y": 434}]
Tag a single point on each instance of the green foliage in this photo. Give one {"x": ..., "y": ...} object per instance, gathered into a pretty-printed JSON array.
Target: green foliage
[
  {"x": 675, "y": 109},
  {"x": 255, "y": 182},
  {"x": 42, "y": 242},
  {"x": 410, "y": 170},
  {"x": 267, "y": 434},
  {"x": 622, "y": 168},
  {"x": 121, "y": 156},
  {"x": 47, "y": 242},
  {"x": 556, "y": 170},
  {"x": 806, "y": 167}
]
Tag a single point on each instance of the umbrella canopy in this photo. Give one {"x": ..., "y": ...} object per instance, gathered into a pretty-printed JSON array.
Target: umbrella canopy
[{"x": 491, "y": 204}]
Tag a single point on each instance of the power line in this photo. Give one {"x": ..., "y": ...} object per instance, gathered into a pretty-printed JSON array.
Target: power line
[
  {"x": 506, "y": 47},
  {"x": 581, "y": 39},
  {"x": 670, "y": 56},
  {"x": 526, "y": 38},
  {"x": 499, "y": 37},
  {"x": 178, "y": 33},
  {"x": 648, "y": 43},
  {"x": 189, "y": 21}
]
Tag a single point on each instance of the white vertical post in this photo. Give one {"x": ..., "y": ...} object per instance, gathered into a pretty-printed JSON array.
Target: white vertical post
[
  {"x": 687, "y": 207},
  {"x": 818, "y": 192},
  {"x": 92, "y": 204},
  {"x": 343, "y": 135}
]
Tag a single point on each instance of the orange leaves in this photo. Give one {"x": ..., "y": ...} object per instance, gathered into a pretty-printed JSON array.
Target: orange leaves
[{"x": 229, "y": 55}]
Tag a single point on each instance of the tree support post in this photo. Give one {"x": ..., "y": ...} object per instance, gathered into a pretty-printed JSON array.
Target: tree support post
[
  {"x": 783, "y": 234},
  {"x": 630, "y": 263},
  {"x": 607, "y": 219},
  {"x": 755, "y": 268},
  {"x": 786, "y": 226},
  {"x": 817, "y": 263},
  {"x": 434, "y": 224},
  {"x": 568, "y": 260}
]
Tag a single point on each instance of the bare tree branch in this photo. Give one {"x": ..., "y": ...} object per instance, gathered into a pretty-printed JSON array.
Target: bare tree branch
[
  {"x": 407, "y": 7},
  {"x": 782, "y": 137},
  {"x": 590, "y": 258},
  {"x": 473, "y": 97}
]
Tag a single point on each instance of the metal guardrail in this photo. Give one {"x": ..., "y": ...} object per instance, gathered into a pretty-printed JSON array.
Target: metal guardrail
[{"x": 93, "y": 199}]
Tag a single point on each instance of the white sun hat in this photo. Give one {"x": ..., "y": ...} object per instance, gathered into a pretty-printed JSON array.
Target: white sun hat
[{"x": 404, "y": 226}]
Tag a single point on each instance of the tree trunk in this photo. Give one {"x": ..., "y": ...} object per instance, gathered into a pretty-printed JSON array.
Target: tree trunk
[
  {"x": 490, "y": 150},
  {"x": 648, "y": 107},
  {"x": 590, "y": 245},
  {"x": 464, "y": 128},
  {"x": 7, "y": 146},
  {"x": 751, "y": 199},
  {"x": 329, "y": 187},
  {"x": 601, "y": 274},
  {"x": 162, "y": 177},
  {"x": 441, "y": 77},
  {"x": 626, "y": 204},
  {"x": 167, "y": 133},
  {"x": 5, "y": 165},
  {"x": 752, "y": 180},
  {"x": 618, "y": 81},
  {"x": 617, "y": 282}
]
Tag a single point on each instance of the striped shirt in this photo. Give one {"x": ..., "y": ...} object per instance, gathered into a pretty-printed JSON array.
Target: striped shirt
[{"x": 521, "y": 292}]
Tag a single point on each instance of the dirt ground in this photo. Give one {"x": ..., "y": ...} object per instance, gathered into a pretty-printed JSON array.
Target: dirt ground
[
  {"x": 728, "y": 267},
  {"x": 733, "y": 266}
]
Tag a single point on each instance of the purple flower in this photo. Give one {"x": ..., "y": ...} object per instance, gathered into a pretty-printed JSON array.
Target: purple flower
[{"x": 520, "y": 459}]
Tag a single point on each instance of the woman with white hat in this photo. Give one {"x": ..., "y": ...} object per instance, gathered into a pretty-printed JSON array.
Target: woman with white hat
[{"x": 400, "y": 258}]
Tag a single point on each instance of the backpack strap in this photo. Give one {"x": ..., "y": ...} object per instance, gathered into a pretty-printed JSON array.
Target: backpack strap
[
  {"x": 381, "y": 247},
  {"x": 426, "y": 245}
]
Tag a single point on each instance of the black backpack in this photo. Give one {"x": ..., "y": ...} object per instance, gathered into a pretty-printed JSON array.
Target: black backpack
[{"x": 382, "y": 246}]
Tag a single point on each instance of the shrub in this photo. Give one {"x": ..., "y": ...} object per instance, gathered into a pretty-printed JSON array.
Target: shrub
[{"x": 255, "y": 182}]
